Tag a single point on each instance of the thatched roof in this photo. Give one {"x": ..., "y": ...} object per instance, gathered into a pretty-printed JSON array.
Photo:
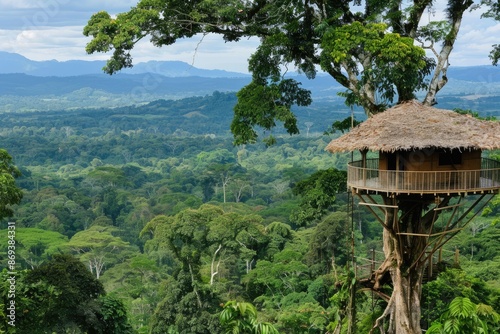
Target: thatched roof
[{"x": 411, "y": 125}]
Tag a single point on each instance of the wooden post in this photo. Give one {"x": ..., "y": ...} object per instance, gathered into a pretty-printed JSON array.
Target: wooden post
[
  {"x": 397, "y": 170},
  {"x": 363, "y": 164}
]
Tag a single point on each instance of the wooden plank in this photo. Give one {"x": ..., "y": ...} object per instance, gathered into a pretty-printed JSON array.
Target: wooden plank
[
  {"x": 448, "y": 207},
  {"x": 379, "y": 205},
  {"x": 430, "y": 235}
]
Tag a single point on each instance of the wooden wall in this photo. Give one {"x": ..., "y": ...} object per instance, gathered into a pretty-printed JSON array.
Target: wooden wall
[
  {"x": 440, "y": 170},
  {"x": 431, "y": 160}
]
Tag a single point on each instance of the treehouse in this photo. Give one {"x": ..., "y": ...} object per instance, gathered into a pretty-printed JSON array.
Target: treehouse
[
  {"x": 424, "y": 181},
  {"x": 422, "y": 150}
]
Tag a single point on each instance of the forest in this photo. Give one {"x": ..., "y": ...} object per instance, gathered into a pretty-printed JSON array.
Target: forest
[
  {"x": 150, "y": 220},
  {"x": 133, "y": 221}
]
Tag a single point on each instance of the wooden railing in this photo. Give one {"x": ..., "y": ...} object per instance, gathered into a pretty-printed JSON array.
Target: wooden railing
[
  {"x": 366, "y": 266},
  {"x": 371, "y": 178}
]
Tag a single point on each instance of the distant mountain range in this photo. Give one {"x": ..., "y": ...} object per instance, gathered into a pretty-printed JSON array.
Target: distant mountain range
[
  {"x": 132, "y": 84},
  {"x": 27, "y": 85},
  {"x": 15, "y": 63}
]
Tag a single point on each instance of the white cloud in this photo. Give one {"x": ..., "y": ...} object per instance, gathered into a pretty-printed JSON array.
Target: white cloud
[
  {"x": 211, "y": 52},
  {"x": 51, "y": 5},
  {"x": 19, "y": 4},
  {"x": 45, "y": 44},
  {"x": 475, "y": 40},
  {"x": 52, "y": 29},
  {"x": 40, "y": 13},
  {"x": 68, "y": 43},
  {"x": 107, "y": 5}
]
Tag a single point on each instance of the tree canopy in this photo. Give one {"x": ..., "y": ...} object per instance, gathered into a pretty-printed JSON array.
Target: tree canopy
[
  {"x": 246, "y": 250},
  {"x": 61, "y": 295}
]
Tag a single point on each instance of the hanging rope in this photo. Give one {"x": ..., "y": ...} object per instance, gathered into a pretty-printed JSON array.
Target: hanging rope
[{"x": 351, "y": 326}]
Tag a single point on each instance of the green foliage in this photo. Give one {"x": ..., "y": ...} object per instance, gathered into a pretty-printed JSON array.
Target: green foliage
[
  {"x": 35, "y": 245},
  {"x": 269, "y": 281},
  {"x": 473, "y": 114},
  {"x": 187, "y": 307},
  {"x": 109, "y": 176},
  {"x": 261, "y": 105},
  {"x": 329, "y": 243},
  {"x": 452, "y": 284},
  {"x": 303, "y": 316},
  {"x": 434, "y": 32},
  {"x": 399, "y": 66},
  {"x": 370, "y": 48},
  {"x": 340, "y": 301},
  {"x": 238, "y": 316},
  {"x": 10, "y": 193},
  {"x": 318, "y": 194},
  {"x": 343, "y": 126},
  {"x": 208, "y": 234},
  {"x": 71, "y": 295},
  {"x": 114, "y": 315},
  {"x": 150, "y": 180},
  {"x": 241, "y": 317},
  {"x": 136, "y": 282},
  {"x": 163, "y": 183},
  {"x": 62, "y": 295},
  {"x": 97, "y": 247},
  {"x": 463, "y": 316},
  {"x": 493, "y": 209}
]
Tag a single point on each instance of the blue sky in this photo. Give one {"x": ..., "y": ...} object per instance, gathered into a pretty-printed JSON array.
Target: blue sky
[{"x": 52, "y": 29}]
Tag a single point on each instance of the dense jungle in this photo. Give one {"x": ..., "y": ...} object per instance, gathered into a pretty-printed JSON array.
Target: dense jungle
[{"x": 147, "y": 219}]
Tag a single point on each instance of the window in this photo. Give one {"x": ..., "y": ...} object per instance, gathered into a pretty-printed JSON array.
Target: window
[{"x": 453, "y": 157}]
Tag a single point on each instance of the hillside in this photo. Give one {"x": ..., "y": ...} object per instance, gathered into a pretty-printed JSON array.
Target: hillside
[
  {"x": 27, "y": 85},
  {"x": 207, "y": 115}
]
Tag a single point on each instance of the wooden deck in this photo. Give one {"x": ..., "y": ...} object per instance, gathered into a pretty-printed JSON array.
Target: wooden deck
[{"x": 371, "y": 179}]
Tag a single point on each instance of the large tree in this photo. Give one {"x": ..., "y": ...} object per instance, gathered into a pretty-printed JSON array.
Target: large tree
[
  {"x": 375, "y": 49},
  {"x": 380, "y": 51},
  {"x": 62, "y": 296},
  {"x": 205, "y": 243}
]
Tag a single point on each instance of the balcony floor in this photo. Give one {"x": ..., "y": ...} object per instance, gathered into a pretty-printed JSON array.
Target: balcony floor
[{"x": 374, "y": 185}]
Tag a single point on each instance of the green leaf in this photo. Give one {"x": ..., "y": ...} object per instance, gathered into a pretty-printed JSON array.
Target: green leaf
[{"x": 462, "y": 307}]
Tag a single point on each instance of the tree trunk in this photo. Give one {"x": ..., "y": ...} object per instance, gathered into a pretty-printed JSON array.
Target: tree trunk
[
  {"x": 439, "y": 79},
  {"x": 405, "y": 261},
  {"x": 96, "y": 263},
  {"x": 225, "y": 180},
  {"x": 214, "y": 268},
  {"x": 404, "y": 305}
]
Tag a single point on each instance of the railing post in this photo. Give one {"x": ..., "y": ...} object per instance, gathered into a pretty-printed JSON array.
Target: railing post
[
  {"x": 363, "y": 165},
  {"x": 364, "y": 176}
]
